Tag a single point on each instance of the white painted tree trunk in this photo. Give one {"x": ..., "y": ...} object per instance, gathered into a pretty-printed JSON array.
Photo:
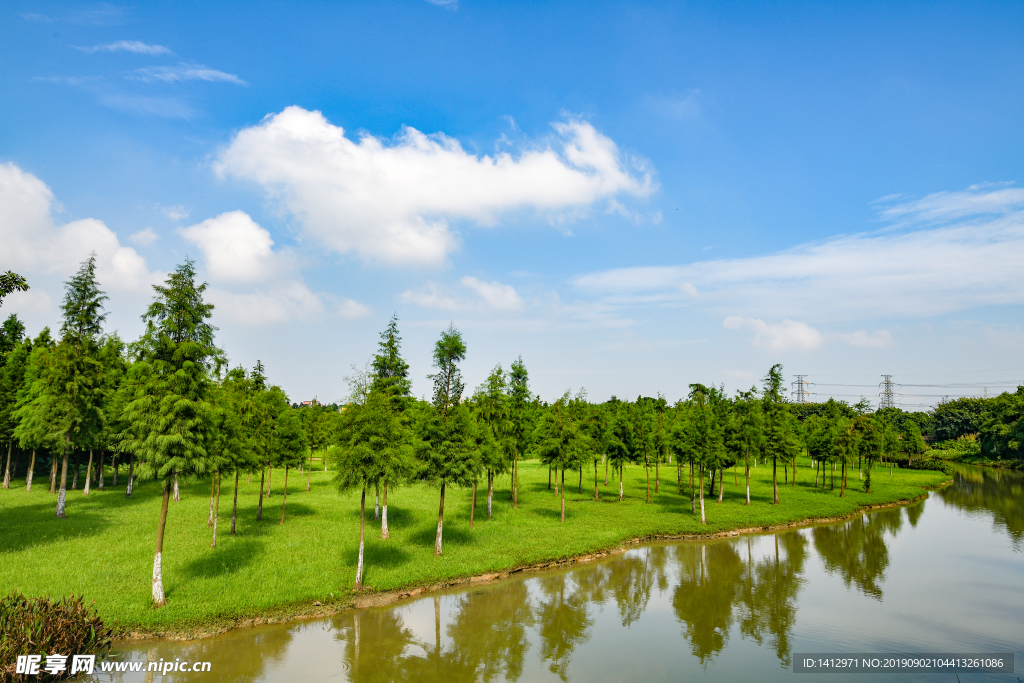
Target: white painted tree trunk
[{"x": 31, "y": 471}]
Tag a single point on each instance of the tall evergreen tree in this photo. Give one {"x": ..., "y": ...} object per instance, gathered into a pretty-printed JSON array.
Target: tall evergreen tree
[
  {"x": 521, "y": 415},
  {"x": 448, "y": 447},
  {"x": 170, "y": 417},
  {"x": 776, "y": 425},
  {"x": 289, "y": 446}
]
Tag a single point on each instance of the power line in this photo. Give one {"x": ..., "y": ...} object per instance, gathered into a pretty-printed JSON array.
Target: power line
[
  {"x": 800, "y": 393},
  {"x": 886, "y": 394}
]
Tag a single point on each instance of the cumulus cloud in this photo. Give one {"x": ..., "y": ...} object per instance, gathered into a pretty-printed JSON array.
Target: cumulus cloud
[
  {"x": 281, "y": 302},
  {"x": 34, "y": 243},
  {"x": 954, "y": 251},
  {"x": 136, "y": 46},
  {"x": 494, "y": 294},
  {"x": 144, "y": 237},
  {"x": 871, "y": 340},
  {"x": 235, "y": 247},
  {"x": 490, "y": 296},
  {"x": 264, "y": 289},
  {"x": 788, "y": 335},
  {"x": 393, "y": 201},
  {"x": 183, "y": 72}
]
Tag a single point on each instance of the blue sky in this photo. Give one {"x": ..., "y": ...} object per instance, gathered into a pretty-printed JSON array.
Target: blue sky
[{"x": 631, "y": 196}]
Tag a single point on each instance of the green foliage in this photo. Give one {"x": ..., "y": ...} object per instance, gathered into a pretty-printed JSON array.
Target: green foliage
[
  {"x": 11, "y": 282},
  {"x": 41, "y": 626},
  {"x": 956, "y": 418},
  {"x": 289, "y": 442},
  {"x": 390, "y": 371},
  {"x": 169, "y": 416},
  {"x": 1002, "y": 431}
]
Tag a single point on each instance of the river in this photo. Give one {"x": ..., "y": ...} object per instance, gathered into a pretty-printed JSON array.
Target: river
[{"x": 943, "y": 575}]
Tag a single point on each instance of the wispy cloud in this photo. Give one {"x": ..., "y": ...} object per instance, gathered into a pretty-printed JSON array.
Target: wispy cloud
[
  {"x": 166, "y": 107},
  {"x": 447, "y": 4},
  {"x": 135, "y": 46},
  {"x": 33, "y": 16},
  {"x": 490, "y": 297},
  {"x": 954, "y": 251},
  {"x": 183, "y": 72}
]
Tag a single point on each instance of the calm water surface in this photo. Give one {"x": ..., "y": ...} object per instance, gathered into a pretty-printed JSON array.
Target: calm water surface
[{"x": 946, "y": 574}]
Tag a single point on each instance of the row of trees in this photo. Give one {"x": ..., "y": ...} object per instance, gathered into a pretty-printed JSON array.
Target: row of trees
[{"x": 171, "y": 407}]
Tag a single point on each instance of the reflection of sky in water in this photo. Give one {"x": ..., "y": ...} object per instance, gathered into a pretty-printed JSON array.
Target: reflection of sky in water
[{"x": 945, "y": 575}]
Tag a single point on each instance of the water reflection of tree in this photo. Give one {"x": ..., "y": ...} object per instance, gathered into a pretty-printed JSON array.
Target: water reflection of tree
[
  {"x": 857, "y": 551},
  {"x": 488, "y": 633},
  {"x": 768, "y": 593},
  {"x": 709, "y": 579},
  {"x": 990, "y": 490},
  {"x": 374, "y": 643},
  {"x": 564, "y": 622}
]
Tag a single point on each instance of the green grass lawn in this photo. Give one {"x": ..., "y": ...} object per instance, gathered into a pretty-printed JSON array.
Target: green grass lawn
[{"x": 104, "y": 548}]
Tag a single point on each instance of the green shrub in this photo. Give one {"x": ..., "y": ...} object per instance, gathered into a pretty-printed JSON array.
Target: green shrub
[
  {"x": 926, "y": 464},
  {"x": 40, "y": 626}
]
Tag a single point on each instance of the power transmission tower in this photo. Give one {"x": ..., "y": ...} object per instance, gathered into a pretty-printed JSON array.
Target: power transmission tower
[
  {"x": 800, "y": 393},
  {"x": 887, "y": 393}
]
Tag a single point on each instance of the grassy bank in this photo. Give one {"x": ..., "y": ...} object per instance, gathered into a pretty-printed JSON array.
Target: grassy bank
[{"x": 104, "y": 549}]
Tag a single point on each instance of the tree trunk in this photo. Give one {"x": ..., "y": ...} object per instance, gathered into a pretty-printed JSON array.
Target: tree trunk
[
  {"x": 490, "y": 491},
  {"x": 657, "y": 475},
  {"x": 131, "y": 477},
  {"x": 213, "y": 487},
  {"x": 579, "y": 488},
  {"x": 867, "y": 480},
  {"x": 234, "y": 506},
  {"x": 31, "y": 471},
  {"x": 693, "y": 491},
  {"x": 817, "y": 467},
  {"x": 216, "y": 513},
  {"x": 775, "y": 481},
  {"x": 376, "y": 502},
  {"x": 53, "y": 474},
  {"x": 309, "y": 470},
  {"x": 63, "y": 493},
  {"x": 596, "y": 497},
  {"x": 712, "y": 491},
  {"x": 88, "y": 475},
  {"x": 270, "y": 477},
  {"x": 620, "y": 483},
  {"x": 721, "y": 484},
  {"x": 794, "y": 470},
  {"x": 113, "y": 465},
  {"x": 177, "y": 491},
  {"x": 472, "y": 506},
  {"x": 647, "y": 469},
  {"x": 259, "y": 506},
  {"x": 384, "y": 533},
  {"x": 746, "y": 472},
  {"x": 606, "y": 461},
  {"x": 702, "y": 519},
  {"x": 362, "y": 526},
  {"x": 515, "y": 480},
  {"x": 7, "y": 469},
  {"x": 563, "y": 496},
  {"x": 284, "y": 496},
  {"x": 842, "y": 480},
  {"x": 158, "y": 575},
  {"x": 74, "y": 478},
  {"x": 99, "y": 472},
  {"x": 440, "y": 523},
  {"x": 679, "y": 475}
]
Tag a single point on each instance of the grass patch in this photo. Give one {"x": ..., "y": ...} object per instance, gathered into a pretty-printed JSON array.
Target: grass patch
[{"x": 104, "y": 549}]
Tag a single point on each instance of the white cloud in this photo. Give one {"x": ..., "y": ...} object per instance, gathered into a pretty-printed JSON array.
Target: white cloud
[
  {"x": 431, "y": 295},
  {"x": 972, "y": 259},
  {"x": 183, "y": 72},
  {"x": 490, "y": 296},
  {"x": 393, "y": 201},
  {"x": 871, "y": 340},
  {"x": 784, "y": 336},
  {"x": 136, "y": 46},
  {"x": 34, "y": 243},
  {"x": 235, "y": 247},
  {"x": 276, "y": 303},
  {"x": 144, "y": 237},
  {"x": 495, "y": 295},
  {"x": 175, "y": 213},
  {"x": 447, "y": 4},
  {"x": 348, "y": 308}
]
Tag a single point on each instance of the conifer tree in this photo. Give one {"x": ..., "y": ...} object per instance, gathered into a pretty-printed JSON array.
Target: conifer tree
[
  {"x": 169, "y": 416},
  {"x": 521, "y": 415},
  {"x": 447, "y": 447},
  {"x": 289, "y": 446}
]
